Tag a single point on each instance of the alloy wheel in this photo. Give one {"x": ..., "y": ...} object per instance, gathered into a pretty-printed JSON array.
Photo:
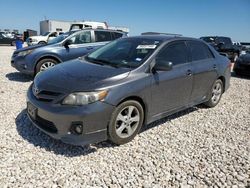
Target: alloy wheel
[
  {"x": 127, "y": 121},
  {"x": 46, "y": 66},
  {"x": 216, "y": 92}
]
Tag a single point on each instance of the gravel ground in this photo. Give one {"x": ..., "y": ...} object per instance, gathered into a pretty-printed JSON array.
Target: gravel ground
[{"x": 198, "y": 147}]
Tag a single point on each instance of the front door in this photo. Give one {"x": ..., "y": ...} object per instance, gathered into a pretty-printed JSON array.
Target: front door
[
  {"x": 81, "y": 44},
  {"x": 171, "y": 89}
]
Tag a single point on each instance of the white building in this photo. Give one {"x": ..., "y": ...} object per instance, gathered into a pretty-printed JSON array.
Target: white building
[
  {"x": 54, "y": 25},
  {"x": 63, "y": 26}
]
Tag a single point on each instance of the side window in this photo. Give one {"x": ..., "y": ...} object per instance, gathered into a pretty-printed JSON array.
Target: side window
[
  {"x": 117, "y": 35},
  {"x": 81, "y": 38},
  {"x": 199, "y": 51},
  {"x": 175, "y": 53},
  {"x": 102, "y": 36},
  {"x": 53, "y": 34}
]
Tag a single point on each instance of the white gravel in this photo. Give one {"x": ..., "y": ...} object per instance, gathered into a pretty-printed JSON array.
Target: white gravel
[{"x": 198, "y": 147}]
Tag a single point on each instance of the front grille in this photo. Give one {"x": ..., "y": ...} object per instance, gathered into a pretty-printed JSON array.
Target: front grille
[
  {"x": 45, "y": 124},
  {"x": 44, "y": 95}
]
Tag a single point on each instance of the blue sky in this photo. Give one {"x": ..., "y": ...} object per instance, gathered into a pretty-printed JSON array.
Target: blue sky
[{"x": 193, "y": 18}]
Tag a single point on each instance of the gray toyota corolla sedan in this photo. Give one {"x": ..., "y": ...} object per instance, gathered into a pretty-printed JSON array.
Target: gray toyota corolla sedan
[{"x": 111, "y": 93}]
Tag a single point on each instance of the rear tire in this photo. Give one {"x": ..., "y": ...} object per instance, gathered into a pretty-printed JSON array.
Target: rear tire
[
  {"x": 126, "y": 121},
  {"x": 215, "y": 93},
  {"x": 45, "y": 64}
]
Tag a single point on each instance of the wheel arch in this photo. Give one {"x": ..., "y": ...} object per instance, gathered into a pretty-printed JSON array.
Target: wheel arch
[
  {"x": 47, "y": 57},
  {"x": 142, "y": 103},
  {"x": 222, "y": 78},
  {"x": 42, "y": 41}
]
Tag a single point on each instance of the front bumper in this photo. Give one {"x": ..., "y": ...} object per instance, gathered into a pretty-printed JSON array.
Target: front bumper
[
  {"x": 20, "y": 64},
  {"x": 57, "y": 120},
  {"x": 30, "y": 43}
]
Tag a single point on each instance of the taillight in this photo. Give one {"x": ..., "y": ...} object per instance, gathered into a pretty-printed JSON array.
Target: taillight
[{"x": 230, "y": 64}]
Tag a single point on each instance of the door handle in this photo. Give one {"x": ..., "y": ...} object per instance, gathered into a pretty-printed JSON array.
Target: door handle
[
  {"x": 189, "y": 72},
  {"x": 90, "y": 48},
  {"x": 214, "y": 66}
]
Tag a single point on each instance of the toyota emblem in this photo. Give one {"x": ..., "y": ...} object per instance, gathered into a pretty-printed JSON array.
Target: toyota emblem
[{"x": 35, "y": 90}]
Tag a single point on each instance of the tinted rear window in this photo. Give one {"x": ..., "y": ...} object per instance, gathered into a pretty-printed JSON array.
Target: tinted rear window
[
  {"x": 117, "y": 35},
  {"x": 102, "y": 36},
  {"x": 199, "y": 51}
]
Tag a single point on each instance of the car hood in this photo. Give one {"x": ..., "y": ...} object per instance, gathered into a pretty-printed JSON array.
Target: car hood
[
  {"x": 33, "y": 47},
  {"x": 38, "y": 37},
  {"x": 79, "y": 75},
  {"x": 29, "y": 48}
]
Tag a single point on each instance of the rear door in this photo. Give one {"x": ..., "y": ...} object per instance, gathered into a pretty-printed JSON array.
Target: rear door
[
  {"x": 204, "y": 70},
  {"x": 171, "y": 89}
]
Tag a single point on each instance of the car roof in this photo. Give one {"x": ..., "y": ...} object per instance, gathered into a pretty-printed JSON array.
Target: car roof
[
  {"x": 214, "y": 37},
  {"x": 164, "y": 38},
  {"x": 91, "y": 29}
]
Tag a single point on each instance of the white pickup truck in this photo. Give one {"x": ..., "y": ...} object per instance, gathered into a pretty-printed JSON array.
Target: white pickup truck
[{"x": 41, "y": 39}]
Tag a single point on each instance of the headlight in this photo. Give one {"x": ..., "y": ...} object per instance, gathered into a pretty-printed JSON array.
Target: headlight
[
  {"x": 82, "y": 98},
  {"x": 24, "y": 53}
]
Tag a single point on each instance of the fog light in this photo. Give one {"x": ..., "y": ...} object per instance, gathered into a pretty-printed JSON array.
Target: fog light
[{"x": 76, "y": 128}]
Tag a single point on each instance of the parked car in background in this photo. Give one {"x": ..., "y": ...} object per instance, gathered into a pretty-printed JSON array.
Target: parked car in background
[
  {"x": 41, "y": 39},
  {"x": 7, "y": 40},
  {"x": 223, "y": 45},
  {"x": 112, "y": 92},
  {"x": 242, "y": 64},
  {"x": 67, "y": 46}
]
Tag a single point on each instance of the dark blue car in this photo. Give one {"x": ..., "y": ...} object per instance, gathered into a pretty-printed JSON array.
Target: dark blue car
[{"x": 34, "y": 59}]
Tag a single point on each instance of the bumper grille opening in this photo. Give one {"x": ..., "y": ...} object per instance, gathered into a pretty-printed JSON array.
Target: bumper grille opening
[{"x": 45, "y": 124}]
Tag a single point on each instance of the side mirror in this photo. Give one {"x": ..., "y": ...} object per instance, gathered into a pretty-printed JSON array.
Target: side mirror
[
  {"x": 67, "y": 43},
  {"x": 163, "y": 65}
]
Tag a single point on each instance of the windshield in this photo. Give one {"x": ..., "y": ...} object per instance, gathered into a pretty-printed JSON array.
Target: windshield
[
  {"x": 125, "y": 52},
  {"x": 225, "y": 40},
  {"x": 59, "y": 38},
  {"x": 45, "y": 34}
]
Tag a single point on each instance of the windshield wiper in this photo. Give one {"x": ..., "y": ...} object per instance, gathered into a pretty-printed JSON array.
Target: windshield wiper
[
  {"x": 93, "y": 60},
  {"x": 102, "y": 62}
]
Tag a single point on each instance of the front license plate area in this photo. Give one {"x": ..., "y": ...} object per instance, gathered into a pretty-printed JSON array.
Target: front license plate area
[{"x": 32, "y": 110}]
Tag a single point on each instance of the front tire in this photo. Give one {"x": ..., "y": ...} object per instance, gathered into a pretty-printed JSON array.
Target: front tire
[
  {"x": 126, "y": 121},
  {"x": 45, "y": 64},
  {"x": 42, "y": 43},
  {"x": 216, "y": 93}
]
